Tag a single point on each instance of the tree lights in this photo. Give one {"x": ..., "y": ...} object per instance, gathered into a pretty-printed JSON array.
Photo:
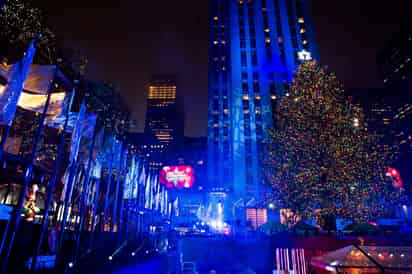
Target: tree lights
[{"x": 321, "y": 156}]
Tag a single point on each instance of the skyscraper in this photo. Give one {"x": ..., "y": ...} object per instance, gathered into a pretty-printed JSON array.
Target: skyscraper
[
  {"x": 255, "y": 46},
  {"x": 164, "y": 124}
]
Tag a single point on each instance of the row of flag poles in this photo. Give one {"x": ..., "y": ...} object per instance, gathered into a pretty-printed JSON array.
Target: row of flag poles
[{"x": 98, "y": 162}]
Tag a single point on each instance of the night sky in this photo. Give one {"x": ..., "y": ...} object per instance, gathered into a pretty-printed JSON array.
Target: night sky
[{"x": 128, "y": 40}]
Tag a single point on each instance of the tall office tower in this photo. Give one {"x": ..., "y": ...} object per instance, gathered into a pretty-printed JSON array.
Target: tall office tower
[
  {"x": 164, "y": 124},
  {"x": 255, "y": 47},
  {"x": 395, "y": 65}
]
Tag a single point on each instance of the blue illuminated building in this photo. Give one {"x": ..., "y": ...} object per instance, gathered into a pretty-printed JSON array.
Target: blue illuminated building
[{"x": 254, "y": 50}]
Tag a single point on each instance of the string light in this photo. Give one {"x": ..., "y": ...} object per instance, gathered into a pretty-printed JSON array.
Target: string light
[{"x": 318, "y": 164}]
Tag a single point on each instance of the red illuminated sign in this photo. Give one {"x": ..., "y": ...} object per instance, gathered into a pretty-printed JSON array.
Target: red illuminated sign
[{"x": 177, "y": 176}]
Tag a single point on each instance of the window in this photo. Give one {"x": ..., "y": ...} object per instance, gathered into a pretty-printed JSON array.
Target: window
[
  {"x": 254, "y": 58},
  {"x": 256, "y": 87},
  {"x": 245, "y": 87},
  {"x": 244, "y": 76},
  {"x": 253, "y": 43},
  {"x": 243, "y": 59}
]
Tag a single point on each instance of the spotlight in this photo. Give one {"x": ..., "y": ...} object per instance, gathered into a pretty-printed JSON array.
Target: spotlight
[
  {"x": 133, "y": 254},
  {"x": 70, "y": 264},
  {"x": 147, "y": 251},
  {"x": 110, "y": 258}
]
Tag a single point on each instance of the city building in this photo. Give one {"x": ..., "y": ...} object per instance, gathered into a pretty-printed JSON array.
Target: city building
[
  {"x": 395, "y": 60},
  {"x": 378, "y": 107},
  {"x": 255, "y": 47},
  {"x": 395, "y": 66},
  {"x": 164, "y": 122}
]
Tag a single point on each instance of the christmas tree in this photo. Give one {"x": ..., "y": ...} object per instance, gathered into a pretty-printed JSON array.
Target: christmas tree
[
  {"x": 20, "y": 22},
  {"x": 321, "y": 157}
]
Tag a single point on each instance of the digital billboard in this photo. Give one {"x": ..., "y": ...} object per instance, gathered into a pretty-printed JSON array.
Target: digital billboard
[{"x": 177, "y": 176}]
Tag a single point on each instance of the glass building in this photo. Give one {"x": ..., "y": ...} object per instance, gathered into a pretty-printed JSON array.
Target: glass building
[{"x": 255, "y": 47}]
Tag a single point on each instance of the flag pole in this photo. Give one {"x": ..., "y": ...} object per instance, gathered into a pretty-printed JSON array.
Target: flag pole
[
  {"x": 116, "y": 195},
  {"x": 96, "y": 200},
  {"x": 120, "y": 221},
  {"x": 83, "y": 197},
  {"x": 15, "y": 220},
  {"x": 73, "y": 166},
  {"x": 109, "y": 181},
  {"x": 67, "y": 198},
  {"x": 53, "y": 180}
]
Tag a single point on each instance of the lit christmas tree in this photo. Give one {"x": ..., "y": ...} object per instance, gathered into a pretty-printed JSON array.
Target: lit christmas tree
[
  {"x": 321, "y": 156},
  {"x": 20, "y": 22}
]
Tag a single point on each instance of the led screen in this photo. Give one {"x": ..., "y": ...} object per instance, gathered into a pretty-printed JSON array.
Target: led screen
[{"x": 177, "y": 176}]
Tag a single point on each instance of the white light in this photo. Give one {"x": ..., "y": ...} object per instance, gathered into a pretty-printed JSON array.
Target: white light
[
  {"x": 70, "y": 264},
  {"x": 334, "y": 263},
  {"x": 147, "y": 251},
  {"x": 304, "y": 55},
  {"x": 330, "y": 269},
  {"x": 402, "y": 255},
  {"x": 110, "y": 258},
  {"x": 133, "y": 254},
  {"x": 405, "y": 207},
  {"x": 271, "y": 206}
]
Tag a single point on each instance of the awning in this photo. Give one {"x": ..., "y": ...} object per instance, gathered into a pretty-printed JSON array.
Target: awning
[{"x": 370, "y": 259}]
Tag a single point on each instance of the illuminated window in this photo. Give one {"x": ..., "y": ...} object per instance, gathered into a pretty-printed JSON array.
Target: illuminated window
[
  {"x": 267, "y": 40},
  {"x": 302, "y": 30},
  {"x": 215, "y": 42},
  {"x": 257, "y": 217},
  {"x": 301, "y": 20},
  {"x": 245, "y": 97},
  {"x": 304, "y": 42},
  {"x": 273, "y": 97},
  {"x": 215, "y": 18},
  {"x": 267, "y": 30},
  {"x": 257, "y": 97},
  {"x": 215, "y": 125}
]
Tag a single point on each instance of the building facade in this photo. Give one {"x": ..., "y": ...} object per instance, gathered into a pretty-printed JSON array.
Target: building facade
[
  {"x": 255, "y": 47},
  {"x": 395, "y": 66},
  {"x": 164, "y": 123}
]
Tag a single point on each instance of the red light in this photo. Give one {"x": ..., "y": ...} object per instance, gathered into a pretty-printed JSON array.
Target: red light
[
  {"x": 373, "y": 223},
  {"x": 396, "y": 176},
  {"x": 177, "y": 176}
]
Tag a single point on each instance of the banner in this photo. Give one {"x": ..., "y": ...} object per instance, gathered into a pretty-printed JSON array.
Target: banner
[
  {"x": 147, "y": 192},
  {"x": 77, "y": 134},
  {"x": 10, "y": 94}
]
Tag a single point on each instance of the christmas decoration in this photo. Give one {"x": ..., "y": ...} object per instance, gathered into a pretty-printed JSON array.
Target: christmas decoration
[{"x": 321, "y": 158}]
